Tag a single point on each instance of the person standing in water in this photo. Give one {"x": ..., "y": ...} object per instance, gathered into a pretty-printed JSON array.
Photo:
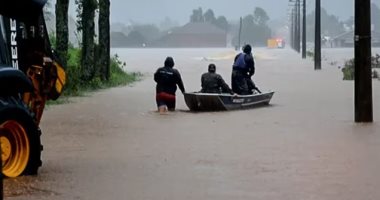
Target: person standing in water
[
  {"x": 242, "y": 71},
  {"x": 167, "y": 79}
]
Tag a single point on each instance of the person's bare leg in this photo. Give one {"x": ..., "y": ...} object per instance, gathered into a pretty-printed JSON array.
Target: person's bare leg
[{"x": 163, "y": 109}]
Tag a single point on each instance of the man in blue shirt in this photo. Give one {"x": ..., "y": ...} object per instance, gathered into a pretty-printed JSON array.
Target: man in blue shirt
[{"x": 242, "y": 71}]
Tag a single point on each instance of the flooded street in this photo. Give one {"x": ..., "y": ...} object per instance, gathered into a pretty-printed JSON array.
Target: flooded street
[{"x": 113, "y": 145}]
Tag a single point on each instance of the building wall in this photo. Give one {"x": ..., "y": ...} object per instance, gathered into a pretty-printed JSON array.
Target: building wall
[{"x": 193, "y": 40}]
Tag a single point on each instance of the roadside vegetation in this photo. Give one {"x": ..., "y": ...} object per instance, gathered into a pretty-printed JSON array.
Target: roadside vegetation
[
  {"x": 349, "y": 68},
  {"x": 90, "y": 66}
]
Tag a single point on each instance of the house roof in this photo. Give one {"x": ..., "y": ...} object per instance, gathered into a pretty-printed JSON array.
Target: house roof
[{"x": 198, "y": 28}]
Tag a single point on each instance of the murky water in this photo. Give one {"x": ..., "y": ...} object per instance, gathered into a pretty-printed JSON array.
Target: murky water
[{"x": 113, "y": 145}]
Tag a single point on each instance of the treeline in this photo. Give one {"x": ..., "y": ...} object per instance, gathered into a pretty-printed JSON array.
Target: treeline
[
  {"x": 255, "y": 29},
  {"x": 332, "y": 26},
  {"x": 90, "y": 66}
]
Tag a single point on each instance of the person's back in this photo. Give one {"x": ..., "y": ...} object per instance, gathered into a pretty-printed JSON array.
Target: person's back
[
  {"x": 167, "y": 79},
  {"x": 213, "y": 83},
  {"x": 242, "y": 69}
]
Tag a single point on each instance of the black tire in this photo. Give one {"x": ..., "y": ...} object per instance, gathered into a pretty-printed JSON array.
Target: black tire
[{"x": 12, "y": 108}]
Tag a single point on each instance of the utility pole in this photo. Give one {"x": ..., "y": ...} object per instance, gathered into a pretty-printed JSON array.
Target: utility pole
[
  {"x": 304, "y": 30},
  {"x": 317, "y": 43},
  {"x": 363, "y": 79},
  {"x": 298, "y": 22},
  {"x": 294, "y": 29}
]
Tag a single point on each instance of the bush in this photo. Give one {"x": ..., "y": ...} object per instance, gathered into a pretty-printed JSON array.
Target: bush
[
  {"x": 75, "y": 86},
  {"x": 375, "y": 74},
  {"x": 349, "y": 70},
  {"x": 310, "y": 53}
]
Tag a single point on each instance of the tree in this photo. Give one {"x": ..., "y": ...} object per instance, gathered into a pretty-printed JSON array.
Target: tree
[
  {"x": 350, "y": 23},
  {"x": 375, "y": 16},
  {"x": 135, "y": 39},
  {"x": 222, "y": 23},
  {"x": 197, "y": 15},
  {"x": 86, "y": 24},
  {"x": 330, "y": 25},
  {"x": 47, "y": 10},
  {"x": 262, "y": 31},
  {"x": 255, "y": 30},
  {"x": 260, "y": 16},
  {"x": 209, "y": 16},
  {"x": 104, "y": 39},
  {"x": 248, "y": 30},
  {"x": 62, "y": 29},
  {"x": 149, "y": 31}
]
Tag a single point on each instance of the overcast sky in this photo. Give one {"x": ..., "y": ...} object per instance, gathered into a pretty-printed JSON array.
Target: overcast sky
[{"x": 155, "y": 11}]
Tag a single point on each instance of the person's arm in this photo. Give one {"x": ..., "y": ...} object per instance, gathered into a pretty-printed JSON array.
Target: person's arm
[
  {"x": 179, "y": 81},
  {"x": 250, "y": 64},
  {"x": 224, "y": 85},
  {"x": 203, "y": 82}
]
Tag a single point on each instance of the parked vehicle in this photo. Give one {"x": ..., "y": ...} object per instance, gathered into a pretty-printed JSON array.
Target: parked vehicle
[{"x": 30, "y": 74}]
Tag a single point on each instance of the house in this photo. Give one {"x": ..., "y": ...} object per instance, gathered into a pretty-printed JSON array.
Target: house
[
  {"x": 193, "y": 35},
  {"x": 347, "y": 39}
]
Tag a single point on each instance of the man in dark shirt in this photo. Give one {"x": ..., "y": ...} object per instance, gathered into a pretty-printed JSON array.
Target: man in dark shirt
[
  {"x": 213, "y": 82},
  {"x": 167, "y": 79},
  {"x": 242, "y": 71}
]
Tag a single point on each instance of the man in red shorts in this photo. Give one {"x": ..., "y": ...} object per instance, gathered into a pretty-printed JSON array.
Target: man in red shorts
[{"x": 167, "y": 79}]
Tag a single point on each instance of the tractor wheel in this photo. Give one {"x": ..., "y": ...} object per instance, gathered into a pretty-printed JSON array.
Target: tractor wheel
[{"x": 19, "y": 138}]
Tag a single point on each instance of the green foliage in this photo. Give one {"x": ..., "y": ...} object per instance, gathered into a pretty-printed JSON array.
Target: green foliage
[
  {"x": 222, "y": 23},
  {"x": 197, "y": 15},
  {"x": 349, "y": 70},
  {"x": 75, "y": 86},
  {"x": 310, "y": 54},
  {"x": 118, "y": 75},
  {"x": 260, "y": 16},
  {"x": 209, "y": 17},
  {"x": 375, "y": 61},
  {"x": 375, "y": 74},
  {"x": 255, "y": 29},
  {"x": 90, "y": 4},
  {"x": 330, "y": 25}
]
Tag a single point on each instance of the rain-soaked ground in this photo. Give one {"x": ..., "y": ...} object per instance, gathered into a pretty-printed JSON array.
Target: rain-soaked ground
[{"x": 113, "y": 145}]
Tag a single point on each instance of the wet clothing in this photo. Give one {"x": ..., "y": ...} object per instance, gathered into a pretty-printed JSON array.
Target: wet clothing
[
  {"x": 165, "y": 99},
  {"x": 167, "y": 80},
  {"x": 242, "y": 70},
  {"x": 214, "y": 83},
  {"x": 244, "y": 62}
]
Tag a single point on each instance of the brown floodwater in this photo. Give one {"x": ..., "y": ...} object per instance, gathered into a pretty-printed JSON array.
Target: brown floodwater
[{"x": 113, "y": 145}]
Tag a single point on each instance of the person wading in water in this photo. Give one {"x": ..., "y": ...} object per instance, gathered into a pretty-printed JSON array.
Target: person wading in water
[{"x": 167, "y": 79}]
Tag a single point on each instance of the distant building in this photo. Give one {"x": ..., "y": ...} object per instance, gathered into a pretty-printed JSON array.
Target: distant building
[
  {"x": 118, "y": 39},
  {"x": 347, "y": 39},
  {"x": 193, "y": 35},
  {"x": 133, "y": 39}
]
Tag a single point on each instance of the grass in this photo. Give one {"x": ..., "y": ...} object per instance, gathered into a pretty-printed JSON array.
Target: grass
[{"x": 75, "y": 86}]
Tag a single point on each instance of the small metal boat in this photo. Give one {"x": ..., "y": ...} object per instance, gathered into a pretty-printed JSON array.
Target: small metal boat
[{"x": 197, "y": 101}]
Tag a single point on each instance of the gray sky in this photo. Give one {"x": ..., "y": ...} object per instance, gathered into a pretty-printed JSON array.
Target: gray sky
[{"x": 154, "y": 11}]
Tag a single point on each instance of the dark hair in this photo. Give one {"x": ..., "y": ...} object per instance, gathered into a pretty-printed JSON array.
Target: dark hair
[
  {"x": 169, "y": 62},
  {"x": 211, "y": 68},
  {"x": 247, "y": 48}
]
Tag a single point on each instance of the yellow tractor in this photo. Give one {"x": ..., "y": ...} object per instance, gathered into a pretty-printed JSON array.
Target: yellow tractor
[{"x": 30, "y": 74}]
